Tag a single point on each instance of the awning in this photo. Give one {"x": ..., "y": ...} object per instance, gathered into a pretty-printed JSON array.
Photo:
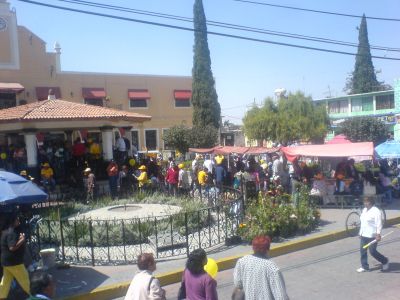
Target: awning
[
  {"x": 231, "y": 149},
  {"x": 182, "y": 94},
  {"x": 42, "y": 92},
  {"x": 225, "y": 150},
  {"x": 339, "y": 139},
  {"x": 262, "y": 150},
  {"x": 90, "y": 93},
  {"x": 6, "y": 87},
  {"x": 204, "y": 150},
  {"x": 330, "y": 150},
  {"x": 389, "y": 149},
  {"x": 138, "y": 94}
]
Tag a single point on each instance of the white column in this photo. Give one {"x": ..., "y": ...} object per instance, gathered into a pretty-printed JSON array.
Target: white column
[
  {"x": 107, "y": 144},
  {"x": 31, "y": 148}
]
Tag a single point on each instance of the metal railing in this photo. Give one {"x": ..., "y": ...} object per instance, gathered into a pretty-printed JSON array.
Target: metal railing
[{"x": 105, "y": 242}]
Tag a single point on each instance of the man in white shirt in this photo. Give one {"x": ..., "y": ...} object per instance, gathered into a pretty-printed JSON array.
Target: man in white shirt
[
  {"x": 209, "y": 164},
  {"x": 121, "y": 149},
  {"x": 371, "y": 227}
]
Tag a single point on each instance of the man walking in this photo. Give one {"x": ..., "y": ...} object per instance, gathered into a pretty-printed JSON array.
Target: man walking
[{"x": 257, "y": 276}]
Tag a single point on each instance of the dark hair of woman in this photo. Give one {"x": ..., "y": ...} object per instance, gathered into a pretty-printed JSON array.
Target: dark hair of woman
[
  {"x": 195, "y": 262},
  {"x": 10, "y": 220},
  {"x": 144, "y": 261}
]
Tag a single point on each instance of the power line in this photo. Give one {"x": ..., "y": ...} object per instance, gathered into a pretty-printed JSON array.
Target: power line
[
  {"x": 227, "y": 25},
  {"x": 316, "y": 11},
  {"x": 208, "y": 32}
]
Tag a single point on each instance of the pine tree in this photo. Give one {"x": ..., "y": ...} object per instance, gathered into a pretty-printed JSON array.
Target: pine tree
[
  {"x": 363, "y": 78},
  {"x": 206, "y": 108}
]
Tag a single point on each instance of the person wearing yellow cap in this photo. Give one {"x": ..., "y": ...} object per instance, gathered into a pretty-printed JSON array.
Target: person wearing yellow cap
[
  {"x": 47, "y": 176},
  {"x": 142, "y": 178},
  {"x": 183, "y": 180}
]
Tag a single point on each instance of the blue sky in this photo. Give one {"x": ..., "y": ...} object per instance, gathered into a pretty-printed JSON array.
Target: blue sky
[{"x": 245, "y": 71}]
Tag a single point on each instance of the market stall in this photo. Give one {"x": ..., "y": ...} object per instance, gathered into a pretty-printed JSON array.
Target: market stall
[{"x": 339, "y": 184}]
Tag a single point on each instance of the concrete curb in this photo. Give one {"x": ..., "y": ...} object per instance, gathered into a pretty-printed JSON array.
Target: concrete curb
[{"x": 120, "y": 289}]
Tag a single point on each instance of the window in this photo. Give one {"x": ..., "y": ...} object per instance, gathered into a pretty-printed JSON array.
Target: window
[
  {"x": 356, "y": 105},
  {"x": 344, "y": 106},
  {"x": 367, "y": 103},
  {"x": 182, "y": 98},
  {"x": 385, "y": 102},
  {"x": 362, "y": 104},
  {"x": 151, "y": 139},
  {"x": 138, "y": 102},
  {"x": 336, "y": 107},
  {"x": 138, "y": 97},
  {"x": 166, "y": 146},
  {"x": 7, "y": 100},
  {"x": 94, "y": 101},
  {"x": 135, "y": 139},
  {"x": 182, "y": 102}
]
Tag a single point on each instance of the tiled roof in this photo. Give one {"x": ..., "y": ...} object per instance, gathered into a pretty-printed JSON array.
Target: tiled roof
[{"x": 61, "y": 110}]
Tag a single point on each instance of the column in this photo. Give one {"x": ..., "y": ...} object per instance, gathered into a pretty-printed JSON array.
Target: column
[
  {"x": 107, "y": 143},
  {"x": 128, "y": 135},
  {"x": 31, "y": 149}
]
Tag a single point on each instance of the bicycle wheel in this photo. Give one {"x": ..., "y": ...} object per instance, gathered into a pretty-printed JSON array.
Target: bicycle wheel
[
  {"x": 353, "y": 223},
  {"x": 383, "y": 214}
]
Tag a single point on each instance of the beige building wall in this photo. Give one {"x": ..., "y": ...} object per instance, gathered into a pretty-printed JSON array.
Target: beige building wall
[{"x": 38, "y": 68}]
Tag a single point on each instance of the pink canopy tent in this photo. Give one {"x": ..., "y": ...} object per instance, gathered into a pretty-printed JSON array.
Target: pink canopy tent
[
  {"x": 330, "y": 150},
  {"x": 204, "y": 150},
  {"x": 339, "y": 139},
  {"x": 231, "y": 149},
  {"x": 225, "y": 150}
]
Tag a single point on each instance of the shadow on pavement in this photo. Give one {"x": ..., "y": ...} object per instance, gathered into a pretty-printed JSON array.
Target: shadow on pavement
[
  {"x": 394, "y": 267},
  {"x": 76, "y": 280}
]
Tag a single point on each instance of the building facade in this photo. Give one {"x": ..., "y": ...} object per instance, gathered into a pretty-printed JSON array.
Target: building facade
[
  {"x": 384, "y": 105},
  {"x": 28, "y": 72}
]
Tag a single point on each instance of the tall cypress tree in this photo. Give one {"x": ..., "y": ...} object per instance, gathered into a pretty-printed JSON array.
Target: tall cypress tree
[
  {"x": 206, "y": 108},
  {"x": 363, "y": 79}
]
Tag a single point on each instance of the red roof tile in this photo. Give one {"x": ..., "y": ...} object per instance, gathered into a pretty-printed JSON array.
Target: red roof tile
[{"x": 60, "y": 110}]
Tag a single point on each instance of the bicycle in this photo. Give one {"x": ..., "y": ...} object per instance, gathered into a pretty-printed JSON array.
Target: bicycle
[{"x": 353, "y": 221}]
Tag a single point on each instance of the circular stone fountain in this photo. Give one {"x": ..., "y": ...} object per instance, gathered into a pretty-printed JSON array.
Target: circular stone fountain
[{"x": 129, "y": 211}]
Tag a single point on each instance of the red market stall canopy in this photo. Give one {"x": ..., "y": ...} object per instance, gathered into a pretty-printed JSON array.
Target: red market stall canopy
[
  {"x": 339, "y": 139},
  {"x": 204, "y": 150},
  {"x": 330, "y": 150},
  {"x": 225, "y": 150}
]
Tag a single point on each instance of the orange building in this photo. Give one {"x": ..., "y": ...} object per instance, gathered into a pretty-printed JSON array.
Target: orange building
[{"x": 28, "y": 72}]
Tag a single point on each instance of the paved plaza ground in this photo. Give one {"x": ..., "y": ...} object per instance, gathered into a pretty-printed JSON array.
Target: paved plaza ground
[
  {"x": 329, "y": 272},
  {"x": 81, "y": 279}
]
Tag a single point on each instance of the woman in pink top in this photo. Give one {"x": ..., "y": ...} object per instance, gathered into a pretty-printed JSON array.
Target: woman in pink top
[{"x": 199, "y": 285}]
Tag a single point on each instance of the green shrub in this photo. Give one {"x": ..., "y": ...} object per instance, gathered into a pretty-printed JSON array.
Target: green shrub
[{"x": 279, "y": 216}]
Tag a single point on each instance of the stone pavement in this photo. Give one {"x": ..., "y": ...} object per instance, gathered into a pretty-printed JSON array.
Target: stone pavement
[
  {"x": 82, "y": 279},
  {"x": 329, "y": 272}
]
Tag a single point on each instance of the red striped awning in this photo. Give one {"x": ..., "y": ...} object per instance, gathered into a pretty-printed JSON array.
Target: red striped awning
[
  {"x": 92, "y": 93},
  {"x": 42, "y": 92},
  {"x": 182, "y": 94},
  {"x": 9, "y": 87},
  {"x": 138, "y": 94}
]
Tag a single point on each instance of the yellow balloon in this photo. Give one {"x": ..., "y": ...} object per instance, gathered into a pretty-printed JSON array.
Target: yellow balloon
[
  {"x": 3, "y": 156},
  {"x": 132, "y": 162},
  {"x": 211, "y": 267}
]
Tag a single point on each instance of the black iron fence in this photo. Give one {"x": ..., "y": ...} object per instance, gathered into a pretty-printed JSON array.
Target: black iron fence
[{"x": 96, "y": 242}]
